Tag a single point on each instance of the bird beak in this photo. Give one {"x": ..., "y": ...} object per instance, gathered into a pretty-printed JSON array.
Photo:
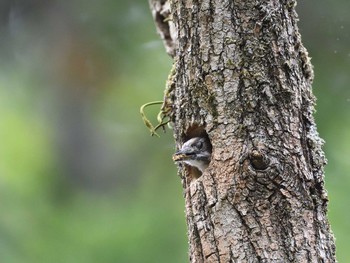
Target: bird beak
[{"x": 181, "y": 156}]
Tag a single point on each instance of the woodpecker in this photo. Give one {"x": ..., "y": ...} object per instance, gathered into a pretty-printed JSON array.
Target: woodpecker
[{"x": 195, "y": 152}]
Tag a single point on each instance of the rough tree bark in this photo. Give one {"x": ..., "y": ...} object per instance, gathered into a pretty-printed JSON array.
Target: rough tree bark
[{"x": 243, "y": 78}]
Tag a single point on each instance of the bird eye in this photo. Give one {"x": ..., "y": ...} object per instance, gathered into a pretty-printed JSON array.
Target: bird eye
[{"x": 200, "y": 145}]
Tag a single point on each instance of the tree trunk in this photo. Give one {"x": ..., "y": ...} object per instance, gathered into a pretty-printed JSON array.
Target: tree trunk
[{"x": 243, "y": 78}]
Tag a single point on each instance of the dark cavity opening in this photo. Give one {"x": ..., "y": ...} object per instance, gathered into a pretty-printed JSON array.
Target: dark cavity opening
[{"x": 193, "y": 132}]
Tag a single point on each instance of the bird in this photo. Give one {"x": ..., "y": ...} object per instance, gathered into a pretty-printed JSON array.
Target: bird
[{"x": 195, "y": 152}]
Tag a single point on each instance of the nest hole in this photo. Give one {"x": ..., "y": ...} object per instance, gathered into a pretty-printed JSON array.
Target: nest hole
[{"x": 192, "y": 132}]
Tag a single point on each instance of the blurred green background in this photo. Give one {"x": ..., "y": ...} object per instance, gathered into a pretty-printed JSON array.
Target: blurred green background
[{"x": 81, "y": 180}]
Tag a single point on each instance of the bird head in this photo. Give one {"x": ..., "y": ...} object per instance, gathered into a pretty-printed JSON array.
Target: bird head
[{"x": 195, "y": 152}]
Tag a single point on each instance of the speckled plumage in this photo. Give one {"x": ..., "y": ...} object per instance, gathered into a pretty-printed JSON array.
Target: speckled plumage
[{"x": 195, "y": 152}]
